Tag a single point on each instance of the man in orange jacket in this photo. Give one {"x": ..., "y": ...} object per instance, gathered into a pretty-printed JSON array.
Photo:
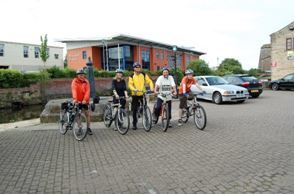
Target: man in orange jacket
[{"x": 80, "y": 88}]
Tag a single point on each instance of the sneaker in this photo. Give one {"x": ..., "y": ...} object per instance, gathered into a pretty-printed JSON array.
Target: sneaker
[
  {"x": 135, "y": 127},
  {"x": 170, "y": 125},
  {"x": 180, "y": 122},
  {"x": 80, "y": 132},
  {"x": 89, "y": 131}
]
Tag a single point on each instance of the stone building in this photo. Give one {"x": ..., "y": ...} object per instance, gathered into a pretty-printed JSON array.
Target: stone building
[
  {"x": 265, "y": 60},
  {"x": 282, "y": 51}
]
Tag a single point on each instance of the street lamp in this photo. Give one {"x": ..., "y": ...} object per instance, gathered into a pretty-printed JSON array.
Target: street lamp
[
  {"x": 175, "y": 67},
  {"x": 90, "y": 75}
]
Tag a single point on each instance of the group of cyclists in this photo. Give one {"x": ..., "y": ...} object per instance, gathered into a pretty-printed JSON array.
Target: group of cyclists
[{"x": 164, "y": 89}]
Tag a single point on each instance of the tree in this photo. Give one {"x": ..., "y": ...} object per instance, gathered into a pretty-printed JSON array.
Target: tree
[
  {"x": 255, "y": 72},
  {"x": 44, "y": 53},
  {"x": 230, "y": 66},
  {"x": 200, "y": 67}
]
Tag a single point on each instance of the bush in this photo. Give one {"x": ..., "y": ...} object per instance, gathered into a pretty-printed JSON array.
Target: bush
[{"x": 10, "y": 78}]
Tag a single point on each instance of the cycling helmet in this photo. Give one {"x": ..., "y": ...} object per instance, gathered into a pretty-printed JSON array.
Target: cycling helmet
[
  {"x": 189, "y": 71},
  {"x": 80, "y": 71},
  {"x": 165, "y": 68},
  {"x": 136, "y": 64},
  {"x": 119, "y": 71}
]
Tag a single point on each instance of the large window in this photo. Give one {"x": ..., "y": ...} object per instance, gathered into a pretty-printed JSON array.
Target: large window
[
  {"x": 122, "y": 56},
  {"x": 187, "y": 60},
  {"x": 1, "y": 50},
  {"x": 289, "y": 44},
  {"x": 25, "y": 51},
  {"x": 37, "y": 52},
  {"x": 146, "y": 59}
]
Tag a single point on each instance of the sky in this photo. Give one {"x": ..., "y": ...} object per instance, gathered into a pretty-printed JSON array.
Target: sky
[{"x": 222, "y": 29}]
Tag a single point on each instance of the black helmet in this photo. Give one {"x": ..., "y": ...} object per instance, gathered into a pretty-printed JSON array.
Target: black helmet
[
  {"x": 165, "y": 68},
  {"x": 136, "y": 64}
]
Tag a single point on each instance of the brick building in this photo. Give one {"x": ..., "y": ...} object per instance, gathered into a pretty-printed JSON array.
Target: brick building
[
  {"x": 122, "y": 51},
  {"x": 265, "y": 59}
]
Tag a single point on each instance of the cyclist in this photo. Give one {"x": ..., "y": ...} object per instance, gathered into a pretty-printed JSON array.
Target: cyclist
[
  {"x": 137, "y": 83},
  {"x": 165, "y": 85},
  {"x": 80, "y": 88},
  {"x": 119, "y": 88},
  {"x": 184, "y": 90}
]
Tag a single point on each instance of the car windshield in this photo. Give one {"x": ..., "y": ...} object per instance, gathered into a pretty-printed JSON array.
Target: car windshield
[
  {"x": 216, "y": 81},
  {"x": 248, "y": 78}
]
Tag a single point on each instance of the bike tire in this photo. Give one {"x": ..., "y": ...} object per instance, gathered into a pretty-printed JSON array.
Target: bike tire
[
  {"x": 199, "y": 116},
  {"x": 147, "y": 119},
  {"x": 122, "y": 121},
  {"x": 165, "y": 118},
  {"x": 185, "y": 115},
  {"x": 80, "y": 129},
  {"x": 154, "y": 118},
  {"x": 107, "y": 116},
  {"x": 63, "y": 122}
]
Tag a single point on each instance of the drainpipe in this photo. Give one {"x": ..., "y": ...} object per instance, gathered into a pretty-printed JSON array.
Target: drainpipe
[{"x": 118, "y": 55}]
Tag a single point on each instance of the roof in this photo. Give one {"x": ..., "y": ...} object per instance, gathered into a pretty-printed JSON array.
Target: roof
[
  {"x": 134, "y": 40},
  {"x": 290, "y": 26},
  {"x": 10, "y": 42}
]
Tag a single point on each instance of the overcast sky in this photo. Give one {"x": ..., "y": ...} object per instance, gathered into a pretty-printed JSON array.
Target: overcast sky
[{"x": 228, "y": 28}]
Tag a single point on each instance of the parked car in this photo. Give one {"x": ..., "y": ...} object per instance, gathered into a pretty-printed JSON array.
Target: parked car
[
  {"x": 253, "y": 85},
  {"x": 286, "y": 82},
  {"x": 219, "y": 90}
]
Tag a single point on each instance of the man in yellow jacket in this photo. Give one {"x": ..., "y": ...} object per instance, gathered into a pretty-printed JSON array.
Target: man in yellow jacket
[{"x": 137, "y": 83}]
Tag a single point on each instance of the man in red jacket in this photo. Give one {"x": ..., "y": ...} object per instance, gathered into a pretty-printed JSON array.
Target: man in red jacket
[{"x": 80, "y": 88}]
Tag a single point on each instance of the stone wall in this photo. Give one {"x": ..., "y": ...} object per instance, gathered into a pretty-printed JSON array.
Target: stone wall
[{"x": 282, "y": 64}]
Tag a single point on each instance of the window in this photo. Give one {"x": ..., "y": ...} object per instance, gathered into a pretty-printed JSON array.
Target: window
[
  {"x": 48, "y": 52},
  {"x": 25, "y": 51},
  {"x": 289, "y": 77},
  {"x": 157, "y": 55},
  {"x": 187, "y": 60},
  {"x": 37, "y": 52},
  {"x": 56, "y": 56},
  {"x": 1, "y": 50},
  {"x": 289, "y": 45},
  {"x": 201, "y": 81},
  {"x": 84, "y": 54}
]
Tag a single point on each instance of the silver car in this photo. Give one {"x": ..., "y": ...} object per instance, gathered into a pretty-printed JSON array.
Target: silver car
[{"x": 219, "y": 90}]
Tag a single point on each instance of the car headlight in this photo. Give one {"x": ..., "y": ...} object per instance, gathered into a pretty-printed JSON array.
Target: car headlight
[{"x": 228, "y": 92}]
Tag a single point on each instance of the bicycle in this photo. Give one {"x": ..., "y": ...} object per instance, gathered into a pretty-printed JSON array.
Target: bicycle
[
  {"x": 71, "y": 117},
  {"x": 164, "y": 113},
  {"x": 144, "y": 112},
  {"x": 114, "y": 112},
  {"x": 196, "y": 110}
]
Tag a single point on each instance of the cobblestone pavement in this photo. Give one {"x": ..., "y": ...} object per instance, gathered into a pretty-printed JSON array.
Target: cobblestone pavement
[{"x": 245, "y": 148}]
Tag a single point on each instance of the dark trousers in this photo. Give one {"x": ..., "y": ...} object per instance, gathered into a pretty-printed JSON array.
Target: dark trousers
[
  {"x": 158, "y": 107},
  {"x": 135, "y": 105},
  {"x": 122, "y": 102}
]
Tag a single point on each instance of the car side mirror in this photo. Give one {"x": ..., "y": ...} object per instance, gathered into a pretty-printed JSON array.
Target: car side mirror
[{"x": 204, "y": 84}]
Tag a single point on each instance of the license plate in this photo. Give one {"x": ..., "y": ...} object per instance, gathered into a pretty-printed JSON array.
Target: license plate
[{"x": 254, "y": 91}]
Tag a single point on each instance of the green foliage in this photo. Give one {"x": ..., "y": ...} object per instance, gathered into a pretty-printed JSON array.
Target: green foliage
[
  {"x": 44, "y": 49},
  {"x": 56, "y": 72},
  {"x": 255, "y": 72},
  {"x": 200, "y": 67},
  {"x": 14, "y": 79},
  {"x": 179, "y": 74},
  {"x": 230, "y": 66}
]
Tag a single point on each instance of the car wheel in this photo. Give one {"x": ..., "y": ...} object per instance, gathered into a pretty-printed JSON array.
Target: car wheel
[
  {"x": 217, "y": 98},
  {"x": 275, "y": 86}
]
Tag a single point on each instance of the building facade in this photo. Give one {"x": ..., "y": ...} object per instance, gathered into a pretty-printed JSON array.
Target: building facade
[
  {"x": 282, "y": 52},
  {"x": 122, "y": 51},
  {"x": 265, "y": 59},
  {"x": 26, "y": 57}
]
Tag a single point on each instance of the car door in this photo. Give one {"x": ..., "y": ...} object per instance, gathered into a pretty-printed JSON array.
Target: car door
[
  {"x": 204, "y": 85},
  {"x": 287, "y": 81}
]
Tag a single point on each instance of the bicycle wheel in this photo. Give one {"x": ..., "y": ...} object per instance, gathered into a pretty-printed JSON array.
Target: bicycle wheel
[
  {"x": 147, "y": 119},
  {"x": 122, "y": 121},
  {"x": 165, "y": 118},
  {"x": 154, "y": 118},
  {"x": 107, "y": 117},
  {"x": 80, "y": 126},
  {"x": 199, "y": 115},
  {"x": 63, "y": 122}
]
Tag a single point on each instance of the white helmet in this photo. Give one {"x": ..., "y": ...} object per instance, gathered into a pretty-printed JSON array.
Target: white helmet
[{"x": 189, "y": 71}]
